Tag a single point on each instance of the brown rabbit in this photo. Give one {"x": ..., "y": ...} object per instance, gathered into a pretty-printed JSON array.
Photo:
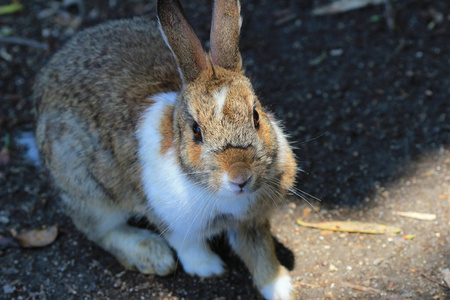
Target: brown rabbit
[{"x": 133, "y": 120}]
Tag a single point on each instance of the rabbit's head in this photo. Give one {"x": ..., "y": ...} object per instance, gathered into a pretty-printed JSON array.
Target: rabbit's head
[{"x": 224, "y": 138}]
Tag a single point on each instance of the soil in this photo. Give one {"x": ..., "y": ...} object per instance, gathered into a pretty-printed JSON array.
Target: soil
[{"x": 365, "y": 97}]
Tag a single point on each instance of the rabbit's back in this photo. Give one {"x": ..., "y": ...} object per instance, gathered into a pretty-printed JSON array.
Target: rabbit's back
[
  {"x": 113, "y": 65},
  {"x": 89, "y": 100}
]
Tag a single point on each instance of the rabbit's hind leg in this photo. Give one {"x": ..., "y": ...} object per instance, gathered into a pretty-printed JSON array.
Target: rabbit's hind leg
[{"x": 135, "y": 248}]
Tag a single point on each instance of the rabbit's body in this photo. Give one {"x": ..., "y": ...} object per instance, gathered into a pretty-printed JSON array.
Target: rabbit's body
[
  {"x": 129, "y": 126},
  {"x": 88, "y": 80}
]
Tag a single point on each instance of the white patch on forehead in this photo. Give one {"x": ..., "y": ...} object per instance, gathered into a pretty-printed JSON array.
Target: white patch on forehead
[{"x": 220, "y": 97}]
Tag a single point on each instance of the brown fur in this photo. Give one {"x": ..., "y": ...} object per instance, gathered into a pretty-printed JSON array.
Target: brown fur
[
  {"x": 255, "y": 247},
  {"x": 166, "y": 130},
  {"x": 225, "y": 35},
  {"x": 265, "y": 132},
  {"x": 289, "y": 171},
  {"x": 97, "y": 88},
  {"x": 90, "y": 99},
  {"x": 186, "y": 46},
  {"x": 232, "y": 155}
]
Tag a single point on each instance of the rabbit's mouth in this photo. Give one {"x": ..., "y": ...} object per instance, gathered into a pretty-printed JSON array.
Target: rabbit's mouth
[{"x": 236, "y": 186}]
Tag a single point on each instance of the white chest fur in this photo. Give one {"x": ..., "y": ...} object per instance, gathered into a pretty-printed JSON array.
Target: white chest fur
[{"x": 186, "y": 208}]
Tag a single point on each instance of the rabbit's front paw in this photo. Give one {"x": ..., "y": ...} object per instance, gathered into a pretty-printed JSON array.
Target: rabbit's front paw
[
  {"x": 210, "y": 265},
  {"x": 201, "y": 261},
  {"x": 141, "y": 250},
  {"x": 196, "y": 256},
  {"x": 279, "y": 289}
]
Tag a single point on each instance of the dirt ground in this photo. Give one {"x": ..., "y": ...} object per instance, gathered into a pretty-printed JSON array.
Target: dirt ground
[{"x": 365, "y": 96}]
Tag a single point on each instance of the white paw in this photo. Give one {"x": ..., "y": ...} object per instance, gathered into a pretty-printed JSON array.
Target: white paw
[
  {"x": 205, "y": 264},
  {"x": 154, "y": 257},
  {"x": 279, "y": 289},
  {"x": 144, "y": 251}
]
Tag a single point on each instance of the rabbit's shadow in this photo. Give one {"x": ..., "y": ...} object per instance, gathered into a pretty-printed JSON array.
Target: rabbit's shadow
[{"x": 220, "y": 245}]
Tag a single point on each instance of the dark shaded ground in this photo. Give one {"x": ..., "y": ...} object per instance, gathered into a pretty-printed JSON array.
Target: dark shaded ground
[{"x": 370, "y": 120}]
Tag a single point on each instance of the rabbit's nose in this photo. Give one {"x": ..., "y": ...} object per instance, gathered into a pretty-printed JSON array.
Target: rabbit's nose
[{"x": 239, "y": 174}]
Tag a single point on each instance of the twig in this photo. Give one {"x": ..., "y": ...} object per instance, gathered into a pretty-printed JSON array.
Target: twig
[
  {"x": 357, "y": 287},
  {"x": 396, "y": 51},
  {"x": 306, "y": 284},
  {"x": 341, "y": 6},
  {"x": 71, "y": 290},
  {"x": 435, "y": 281},
  {"x": 390, "y": 16},
  {"x": 23, "y": 41}
]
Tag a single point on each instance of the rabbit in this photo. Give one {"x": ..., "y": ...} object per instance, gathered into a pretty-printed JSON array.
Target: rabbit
[{"x": 134, "y": 118}]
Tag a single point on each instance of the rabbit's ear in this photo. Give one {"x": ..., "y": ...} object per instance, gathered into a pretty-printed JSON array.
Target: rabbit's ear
[
  {"x": 225, "y": 29},
  {"x": 181, "y": 39}
]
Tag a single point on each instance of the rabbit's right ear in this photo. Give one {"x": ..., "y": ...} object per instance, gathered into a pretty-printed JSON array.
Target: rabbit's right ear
[
  {"x": 181, "y": 39},
  {"x": 225, "y": 29}
]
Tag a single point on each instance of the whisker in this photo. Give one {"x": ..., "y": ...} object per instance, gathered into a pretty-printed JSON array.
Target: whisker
[
  {"x": 293, "y": 191},
  {"x": 307, "y": 194},
  {"x": 304, "y": 199}
]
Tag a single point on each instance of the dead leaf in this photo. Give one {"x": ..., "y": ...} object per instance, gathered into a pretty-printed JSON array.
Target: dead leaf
[
  {"x": 416, "y": 215},
  {"x": 351, "y": 226},
  {"x": 37, "y": 237}
]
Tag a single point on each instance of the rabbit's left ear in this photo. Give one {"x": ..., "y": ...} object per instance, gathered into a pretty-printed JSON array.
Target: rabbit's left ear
[
  {"x": 181, "y": 39},
  {"x": 225, "y": 29}
]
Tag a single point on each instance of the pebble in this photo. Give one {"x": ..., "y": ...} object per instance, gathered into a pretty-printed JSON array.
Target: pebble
[
  {"x": 378, "y": 261},
  {"x": 11, "y": 271},
  {"x": 4, "y": 220},
  {"x": 7, "y": 289},
  {"x": 336, "y": 52},
  {"x": 333, "y": 268}
]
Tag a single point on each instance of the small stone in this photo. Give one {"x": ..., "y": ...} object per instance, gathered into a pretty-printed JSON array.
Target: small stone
[
  {"x": 336, "y": 52},
  {"x": 4, "y": 220},
  {"x": 333, "y": 268},
  {"x": 378, "y": 261},
  {"x": 118, "y": 283},
  {"x": 7, "y": 289},
  {"x": 11, "y": 271}
]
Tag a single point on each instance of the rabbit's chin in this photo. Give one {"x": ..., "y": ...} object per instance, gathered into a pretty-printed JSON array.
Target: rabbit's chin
[
  {"x": 229, "y": 191},
  {"x": 235, "y": 194}
]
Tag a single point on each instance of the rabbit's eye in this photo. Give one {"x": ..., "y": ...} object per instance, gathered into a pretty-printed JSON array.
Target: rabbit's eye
[
  {"x": 197, "y": 132},
  {"x": 256, "y": 118}
]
